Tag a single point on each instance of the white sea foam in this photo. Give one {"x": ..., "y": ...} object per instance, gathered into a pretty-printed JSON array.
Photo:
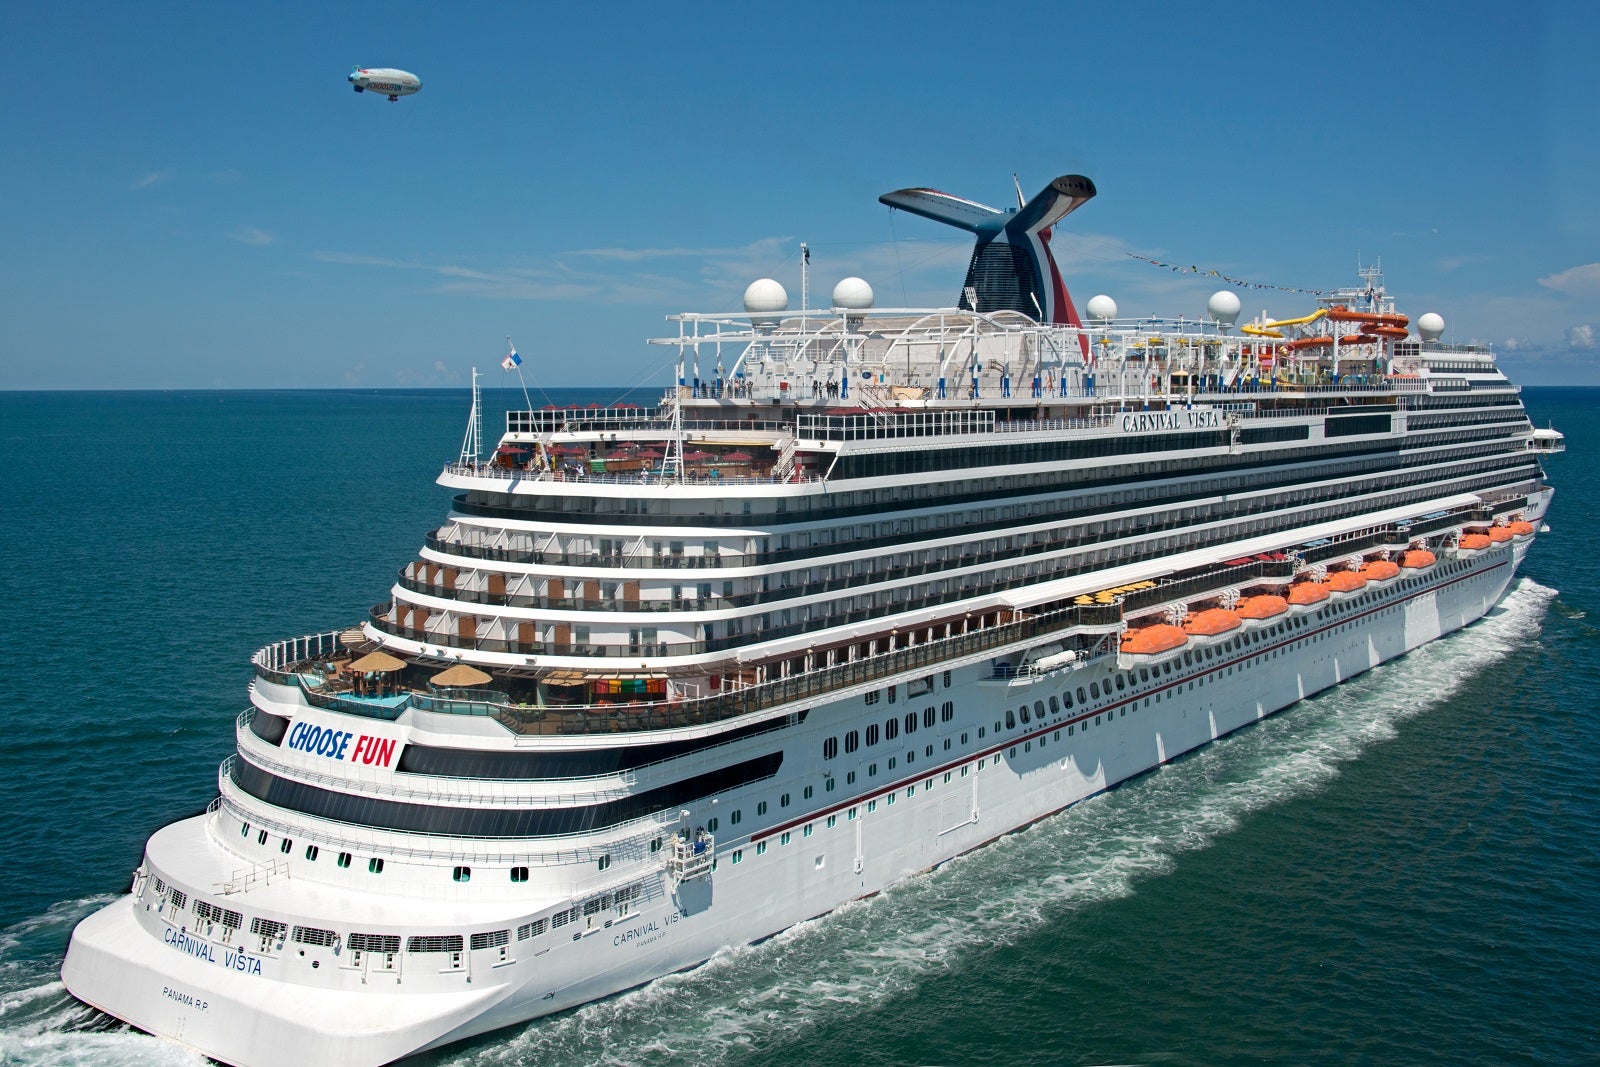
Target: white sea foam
[
  {"x": 832, "y": 970},
  {"x": 839, "y": 967}
]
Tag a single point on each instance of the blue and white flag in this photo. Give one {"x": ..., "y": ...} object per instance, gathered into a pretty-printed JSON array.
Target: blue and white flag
[{"x": 512, "y": 360}]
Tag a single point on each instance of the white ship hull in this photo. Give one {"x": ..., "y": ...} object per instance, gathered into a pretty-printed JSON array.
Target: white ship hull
[{"x": 197, "y": 993}]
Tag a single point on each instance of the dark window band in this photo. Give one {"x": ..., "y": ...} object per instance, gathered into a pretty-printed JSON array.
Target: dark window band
[
  {"x": 491, "y": 822},
  {"x": 526, "y": 766}
]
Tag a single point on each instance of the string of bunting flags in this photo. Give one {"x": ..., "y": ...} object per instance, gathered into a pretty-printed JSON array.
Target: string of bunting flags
[{"x": 1240, "y": 282}]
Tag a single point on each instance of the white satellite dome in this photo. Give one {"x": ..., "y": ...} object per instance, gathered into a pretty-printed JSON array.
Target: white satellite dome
[
  {"x": 764, "y": 301},
  {"x": 1101, "y": 308},
  {"x": 852, "y": 294},
  {"x": 1223, "y": 307},
  {"x": 1430, "y": 326}
]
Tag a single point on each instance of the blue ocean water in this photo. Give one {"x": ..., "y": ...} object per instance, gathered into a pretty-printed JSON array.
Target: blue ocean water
[{"x": 1405, "y": 870}]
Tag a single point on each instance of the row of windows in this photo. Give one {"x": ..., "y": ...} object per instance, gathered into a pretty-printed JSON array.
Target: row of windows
[
  {"x": 446, "y": 821},
  {"x": 891, "y": 727},
  {"x": 937, "y": 592}
]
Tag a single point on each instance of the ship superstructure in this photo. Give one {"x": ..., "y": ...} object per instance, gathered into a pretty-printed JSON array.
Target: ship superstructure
[{"x": 884, "y": 585}]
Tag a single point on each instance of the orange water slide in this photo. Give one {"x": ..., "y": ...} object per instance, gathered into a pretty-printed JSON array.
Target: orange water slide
[{"x": 1340, "y": 313}]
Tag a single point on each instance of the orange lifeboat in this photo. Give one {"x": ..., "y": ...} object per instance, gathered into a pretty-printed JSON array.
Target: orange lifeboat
[
  {"x": 1379, "y": 569},
  {"x": 1474, "y": 541},
  {"x": 1500, "y": 534},
  {"x": 1418, "y": 557},
  {"x": 1261, "y": 607},
  {"x": 1345, "y": 581},
  {"x": 1148, "y": 640},
  {"x": 1303, "y": 593},
  {"x": 1521, "y": 527},
  {"x": 1211, "y": 621}
]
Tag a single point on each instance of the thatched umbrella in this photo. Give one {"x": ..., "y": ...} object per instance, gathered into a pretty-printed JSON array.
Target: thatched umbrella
[
  {"x": 377, "y": 661},
  {"x": 460, "y": 675}
]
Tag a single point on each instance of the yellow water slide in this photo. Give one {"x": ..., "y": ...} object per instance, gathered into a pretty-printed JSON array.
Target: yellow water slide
[{"x": 1270, "y": 329}]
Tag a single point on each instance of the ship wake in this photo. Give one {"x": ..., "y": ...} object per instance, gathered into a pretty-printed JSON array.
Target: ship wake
[
  {"x": 846, "y": 967},
  {"x": 760, "y": 1002}
]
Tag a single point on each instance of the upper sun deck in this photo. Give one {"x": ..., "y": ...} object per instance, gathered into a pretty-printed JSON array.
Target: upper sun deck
[{"x": 764, "y": 403}]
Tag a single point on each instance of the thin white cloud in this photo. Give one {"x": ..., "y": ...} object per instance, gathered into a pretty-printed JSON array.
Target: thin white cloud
[
  {"x": 764, "y": 248},
  {"x": 1446, "y": 264},
  {"x": 250, "y": 235},
  {"x": 154, "y": 177},
  {"x": 1574, "y": 280},
  {"x": 1580, "y": 338},
  {"x": 903, "y": 273}
]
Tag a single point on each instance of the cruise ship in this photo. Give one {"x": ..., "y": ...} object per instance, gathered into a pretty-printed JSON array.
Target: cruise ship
[{"x": 882, "y": 585}]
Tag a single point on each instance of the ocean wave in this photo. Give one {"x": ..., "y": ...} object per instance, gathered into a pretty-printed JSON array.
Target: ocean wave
[{"x": 844, "y": 966}]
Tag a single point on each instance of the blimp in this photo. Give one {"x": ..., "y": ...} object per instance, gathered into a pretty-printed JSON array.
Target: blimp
[{"x": 392, "y": 83}]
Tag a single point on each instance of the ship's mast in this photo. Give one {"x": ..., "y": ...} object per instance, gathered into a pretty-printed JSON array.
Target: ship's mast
[{"x": 471, "y": 444}]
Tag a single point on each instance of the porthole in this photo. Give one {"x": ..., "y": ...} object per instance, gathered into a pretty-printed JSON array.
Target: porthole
[
  {"x": 711, "y": 827},
  {"x": 311, "y": 852},
  {"x": 375, "y": 865},
  {"x": 605, "y": 861},
  {"x": 519, "y": 874},
  {"x": 464, "y": 874},
  {"x": 736, "y": 817},
  {"x": 344, "y": 859}
]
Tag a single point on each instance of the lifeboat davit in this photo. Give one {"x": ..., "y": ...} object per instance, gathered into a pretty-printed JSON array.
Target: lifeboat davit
[
  {"x": 1474, "y": 541},
  {"x": 1148, "y": 640},
  {"x": 1261, "y": 607},
  {"x": 1345, "y": 581},
  {"x": 1418, "y": 557},
  {"x": 1210, "y": 622},
  {"x": 1303, "y": 593},
  {"x": 1522, "y": 528},
  {"x": 1379, "y": 569},
  {"x": 1500, "y": 534}
]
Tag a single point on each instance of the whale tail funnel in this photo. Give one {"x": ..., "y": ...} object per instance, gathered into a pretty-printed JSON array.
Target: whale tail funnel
[{"x": 1011, "y": 268}]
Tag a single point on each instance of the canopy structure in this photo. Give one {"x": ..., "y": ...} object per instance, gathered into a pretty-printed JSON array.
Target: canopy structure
[
  {"x": 377, "y": 661},
  {"x": 460, "y": 675}
]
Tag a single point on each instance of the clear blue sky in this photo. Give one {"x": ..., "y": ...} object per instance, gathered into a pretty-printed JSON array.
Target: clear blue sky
[{"x": 192, "y": 196}]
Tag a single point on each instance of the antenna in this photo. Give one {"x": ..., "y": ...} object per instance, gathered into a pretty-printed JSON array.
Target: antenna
[
  {"x": 805, "y": 277},
  {"x": 1022, "y": 201}
]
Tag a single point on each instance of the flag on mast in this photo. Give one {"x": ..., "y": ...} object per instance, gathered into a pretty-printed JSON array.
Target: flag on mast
[{"x": 512, "y": 360}]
